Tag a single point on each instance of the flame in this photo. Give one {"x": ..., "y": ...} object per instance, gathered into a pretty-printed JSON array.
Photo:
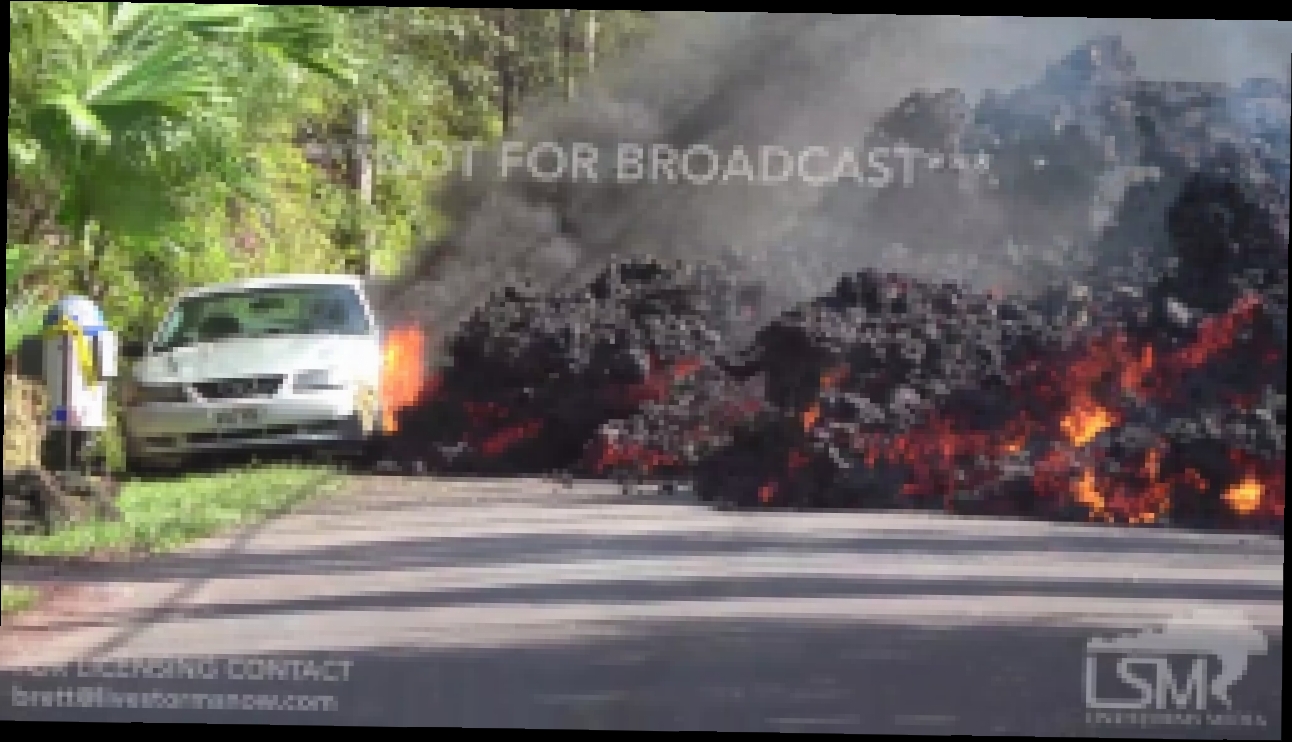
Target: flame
[
  {"x": 810, "y": 416},
  {"x": 1245, "y": 496},
  {"x": 1217, "y": 334},
  {"x": 1064, "y": 403},
  {"x": 1086, "y": 492},
  {"x": 508, "y": 437},
  {"x": 1133, "y": 496},
  {"x": 767, "y": 492},
  {"x": 404, "y": 379},
  {"x": 830, "y": 379},
  {"x": 1070, "y": 401},
  {"x": 1260, "y": 489},
  {"x": 1085, "y": 421},
  {"x": 1134, "y": 373}
]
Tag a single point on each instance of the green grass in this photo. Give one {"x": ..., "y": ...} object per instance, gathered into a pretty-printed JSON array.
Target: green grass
[
  {"x": 14, "y": 598},
  {"x": 160, "y": 516}
]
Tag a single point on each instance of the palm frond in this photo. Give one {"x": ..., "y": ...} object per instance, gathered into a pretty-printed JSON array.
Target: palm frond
[{"x": 138, "y": 61}]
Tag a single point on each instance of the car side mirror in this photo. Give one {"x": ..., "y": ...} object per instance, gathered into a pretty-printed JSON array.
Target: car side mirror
[{"x": 133, "y": 349}]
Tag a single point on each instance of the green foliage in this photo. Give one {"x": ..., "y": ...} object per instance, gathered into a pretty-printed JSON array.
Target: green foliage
[
  {"x": 15, "y": 598},
  {"x": 157, "y": 146},
  {"x": 22, "y": 316},
  {"x": 17, "y": 262},
  {"x": 141, "y": 105},
  {"x": 20, "y": 322}
]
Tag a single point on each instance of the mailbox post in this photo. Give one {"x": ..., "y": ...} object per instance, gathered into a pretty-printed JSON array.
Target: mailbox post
[{"x": 80, "y": 356}]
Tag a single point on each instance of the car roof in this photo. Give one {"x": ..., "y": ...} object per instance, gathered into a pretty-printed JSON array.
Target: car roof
[{"x": 280, "y": 281}]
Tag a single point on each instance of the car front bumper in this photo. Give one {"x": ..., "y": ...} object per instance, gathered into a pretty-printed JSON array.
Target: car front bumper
[{"x": 188, "y": 428}]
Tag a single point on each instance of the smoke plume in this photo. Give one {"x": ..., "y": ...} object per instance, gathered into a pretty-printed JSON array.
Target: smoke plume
[{"x": 728, "y": 80}]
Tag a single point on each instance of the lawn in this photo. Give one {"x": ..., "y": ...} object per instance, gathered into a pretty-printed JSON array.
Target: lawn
[
  {"x": 160, "y": 516},
  {"x": 14, "y": 598}
]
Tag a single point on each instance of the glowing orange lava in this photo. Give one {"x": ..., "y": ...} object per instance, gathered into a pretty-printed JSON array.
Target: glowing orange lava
[
  {"x": 1085, "y": 421},
  {"x": 1086, "y": 492},
  {"x": 810, "y": 416},
  {"x": 1077, "y": 397},
  {"x": 767, "y": 492},
  {"x": 1245, "y": 496}
]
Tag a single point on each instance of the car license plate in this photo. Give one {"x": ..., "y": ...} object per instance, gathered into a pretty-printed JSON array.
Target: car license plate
[{"x": 237, "y": 418}]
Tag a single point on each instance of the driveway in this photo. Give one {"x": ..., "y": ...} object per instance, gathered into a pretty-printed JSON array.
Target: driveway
[{"x": 524, "y": 603}]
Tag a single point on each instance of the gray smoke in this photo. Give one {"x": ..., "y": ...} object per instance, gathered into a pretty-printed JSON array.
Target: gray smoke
[{"x": 751, "y": 80}]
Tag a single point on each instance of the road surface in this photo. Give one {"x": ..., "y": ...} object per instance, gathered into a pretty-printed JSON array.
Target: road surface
[{"x": 417, "y": 602}]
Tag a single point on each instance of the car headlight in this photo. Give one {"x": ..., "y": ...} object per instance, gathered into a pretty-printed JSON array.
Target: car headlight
[
  {"x": 318, "y": 380},
  {"x": 140, "y": 394}
]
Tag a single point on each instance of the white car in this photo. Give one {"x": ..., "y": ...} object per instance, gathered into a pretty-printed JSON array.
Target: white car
[{"x": 261, "y": 362}]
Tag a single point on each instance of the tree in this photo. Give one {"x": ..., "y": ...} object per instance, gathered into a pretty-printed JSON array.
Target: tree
[
  {"x": 506, "y": 56},
  {"x": 134, "y": 102}
]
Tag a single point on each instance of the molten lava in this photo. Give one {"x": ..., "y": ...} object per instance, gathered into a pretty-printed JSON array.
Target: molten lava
[
  {"x": 607, "y": 454},
  {"x": 658, "y": 382},
  {"x": 1260, "y": 490},
  {"x": 1086, "y": 421},
  {"x": 503, "y": 440},
  {"x": 1245, "y": 496},
  {"x": 810, "y": 416},
  {"x": 830, "y": 379},
  {"x": 1069, "y": 403},
  {"x": 767, "y": 493}
]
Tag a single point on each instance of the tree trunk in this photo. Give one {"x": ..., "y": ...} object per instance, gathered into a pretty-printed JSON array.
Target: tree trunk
[
  {"x": 363, "y": 135},
  {"x": 566, "y": 79},
  {"x": 94, "y": 246},
  {"x": 591, "y": 40},
  {"x": 359, "y": 172},
  {"x": 505, "y": 69}
]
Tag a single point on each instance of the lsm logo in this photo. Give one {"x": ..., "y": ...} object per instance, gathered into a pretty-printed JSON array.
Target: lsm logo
[{"x": 1180, "y": 675}]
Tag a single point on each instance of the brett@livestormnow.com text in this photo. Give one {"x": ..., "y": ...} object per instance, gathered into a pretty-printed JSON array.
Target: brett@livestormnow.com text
[{"x": 108, "y": 698}]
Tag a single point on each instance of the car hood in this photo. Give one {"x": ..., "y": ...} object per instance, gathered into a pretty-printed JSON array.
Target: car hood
[{"x": 253, "y": 357}]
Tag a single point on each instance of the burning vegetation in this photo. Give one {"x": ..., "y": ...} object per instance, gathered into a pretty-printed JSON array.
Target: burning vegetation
[{"x": 1150, "y": 392}]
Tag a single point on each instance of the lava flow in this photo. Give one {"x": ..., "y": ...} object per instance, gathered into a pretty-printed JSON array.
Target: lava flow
[
  {"x": 1063, "y": 407},
  {"x": 1069, "y": 424},
  {"x": 1128, "y": 367}
]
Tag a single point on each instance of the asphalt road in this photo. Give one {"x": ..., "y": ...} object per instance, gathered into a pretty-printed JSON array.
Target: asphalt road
[{"x": 527, "y": 604}]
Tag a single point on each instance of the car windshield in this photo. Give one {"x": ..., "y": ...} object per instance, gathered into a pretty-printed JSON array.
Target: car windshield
[{"x": 292, "y": 310}]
